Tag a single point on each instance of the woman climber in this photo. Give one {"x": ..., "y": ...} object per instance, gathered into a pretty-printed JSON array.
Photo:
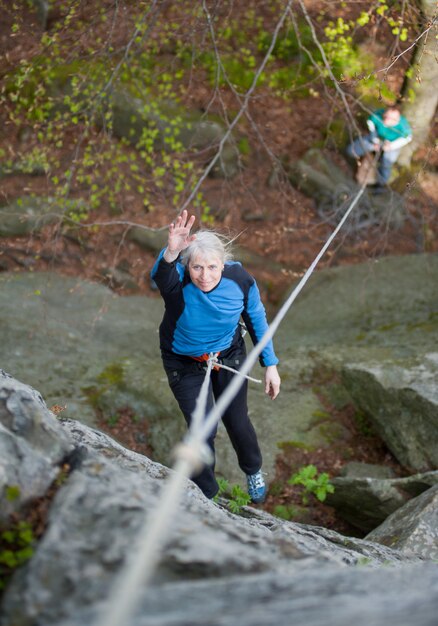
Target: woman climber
[{"x": 205, "y": 295}]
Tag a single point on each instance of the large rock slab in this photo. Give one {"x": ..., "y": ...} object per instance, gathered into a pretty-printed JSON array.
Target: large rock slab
[
  {"x": 95, "y": 519},
  {"x": 89, "y": 349},
  {"x": 366, "y": 502},
  {"x": 402, "y": 402},
  {"x": 26, "y": 215},
  {"x": 68, "y": 335},
  {"x": 213, "y": 566},
  {"x": 29, "y": 214},
  {"x": 413, "y": 529},
  {"x": 386, "y": 307},
  {"x": 309, "y": 597},
  {"x": 173, "y": 123},
  {"x": 32, "y": 445},
  {"x": 375, "y": 316}
]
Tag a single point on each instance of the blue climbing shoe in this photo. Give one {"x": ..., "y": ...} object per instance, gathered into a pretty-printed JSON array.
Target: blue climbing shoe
[{"x": 256, "y": 487}]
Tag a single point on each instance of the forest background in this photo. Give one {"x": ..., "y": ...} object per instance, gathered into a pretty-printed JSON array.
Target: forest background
[{"x": 272, "y": 79}]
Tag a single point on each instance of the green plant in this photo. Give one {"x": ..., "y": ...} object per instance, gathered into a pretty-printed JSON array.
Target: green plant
[
  {"x": 12, "y": 493},
  {"x": 237, "y": 498},
  {"x": 15, "y": 549},
  {"x": 316, "y": 484},
  {"x": 286, "y": 512},
  {"x": 363, "y": 423},
  {"x": 112, "y": 420}
]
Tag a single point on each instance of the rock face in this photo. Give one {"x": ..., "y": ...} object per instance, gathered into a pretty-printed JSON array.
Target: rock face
[
  {"x": 333, "y": 190},
  {"x": 131, "y": 116},
  {"x": 30, "y": 214},
  {"x": 215, "y": 568},
  {"x": 412, "y": 529},
  {"x": 86, "y": 348},
  {"x": 378, "y": 329},
  {"x": 24, "y": 216},
  {"x": 366, "y": 502},
  {"x": 32, "y": 444},
  {"x": 402, "y": 401}
]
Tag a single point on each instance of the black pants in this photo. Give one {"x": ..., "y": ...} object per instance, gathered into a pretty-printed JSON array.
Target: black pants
[{"x": 185, "y": 379}]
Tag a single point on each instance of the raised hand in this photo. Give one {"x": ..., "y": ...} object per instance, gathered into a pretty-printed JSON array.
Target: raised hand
[{"x": 179, "y": 236}]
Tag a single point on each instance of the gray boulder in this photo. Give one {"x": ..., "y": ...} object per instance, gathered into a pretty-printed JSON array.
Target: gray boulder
[
  {"x": 366, "y": 502},
  {"x": 305, "y": 596},
  {"x": 96, "y": 516},
  {"x": 413, "y": 529},
  {"x": 32, "y": 445},
  {"x": 30, "y": 214},
  {"x": 193, "y": 130},
  {"x": 215, "y": 566},
  {"x": 25, "y": 215},
  {"x": 385, "y": 308},
  {"x": 375, "y": 327},
  {"x": 355, "y": 469},
  {"x": 149, "y": 239},
  {"x": 402, "y": 401}
]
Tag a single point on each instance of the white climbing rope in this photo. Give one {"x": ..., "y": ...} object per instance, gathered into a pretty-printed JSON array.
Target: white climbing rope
[
  {"x": 201, "y": 401},
  {"x": 239, "y": 373},
  {"x": 213, "y": 357},
  {"x": 191, "y": 455}
]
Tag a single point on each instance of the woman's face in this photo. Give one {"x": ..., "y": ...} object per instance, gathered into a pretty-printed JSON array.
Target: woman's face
[{"x": 205, "y": 271}]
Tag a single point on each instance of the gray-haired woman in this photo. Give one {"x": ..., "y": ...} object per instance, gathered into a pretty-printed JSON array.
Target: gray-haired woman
[{"x": 206, "y": 295}]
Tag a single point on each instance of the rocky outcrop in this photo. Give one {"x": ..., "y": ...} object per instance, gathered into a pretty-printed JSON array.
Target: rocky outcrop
[
  {"x": 402, "y": 401},
  {"x": 173, "y": 124},
  {"x": 29, "y": 214},
  {"x": 151, "y": 240},
  {"x": 365, "y": 502},
  {"x": 319, "y": 177},
  {"x": 412, "y": 529},
  {"x": 89, "y": 349},
  {"x": 215, "y": 567},
  {"x": 32, "y": 445}
]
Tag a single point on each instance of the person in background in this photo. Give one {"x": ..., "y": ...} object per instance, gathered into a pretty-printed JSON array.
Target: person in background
[
  {"x": 389, "y": 132},
  {"x": 205, "y": 295}
]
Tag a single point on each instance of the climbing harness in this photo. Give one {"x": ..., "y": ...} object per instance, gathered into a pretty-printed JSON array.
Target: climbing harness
[
  {"x": 218, "y": 364},
  {"x": 205, "y": 358}
]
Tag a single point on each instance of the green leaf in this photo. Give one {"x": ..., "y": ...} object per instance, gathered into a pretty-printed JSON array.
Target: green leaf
[{"x": 13, "y": 491}]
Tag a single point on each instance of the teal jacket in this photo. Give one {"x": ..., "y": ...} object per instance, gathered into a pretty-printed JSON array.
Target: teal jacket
[{"x": 399, "y": 135}]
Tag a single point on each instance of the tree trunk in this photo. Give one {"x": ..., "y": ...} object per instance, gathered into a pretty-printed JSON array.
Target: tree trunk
[{"x": 420, "y": 90}]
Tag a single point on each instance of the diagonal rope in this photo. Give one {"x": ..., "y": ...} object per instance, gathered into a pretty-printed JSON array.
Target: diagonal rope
[
  {"x": 236, "y": 383},
  {"x": 238, "y": 373},
  {"x": 201, "y": 401},
  {"x": 192, "y": 454}
]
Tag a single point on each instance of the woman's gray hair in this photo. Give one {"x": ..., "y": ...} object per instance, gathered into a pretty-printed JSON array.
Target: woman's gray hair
[{"x": 208, "y": 243}]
